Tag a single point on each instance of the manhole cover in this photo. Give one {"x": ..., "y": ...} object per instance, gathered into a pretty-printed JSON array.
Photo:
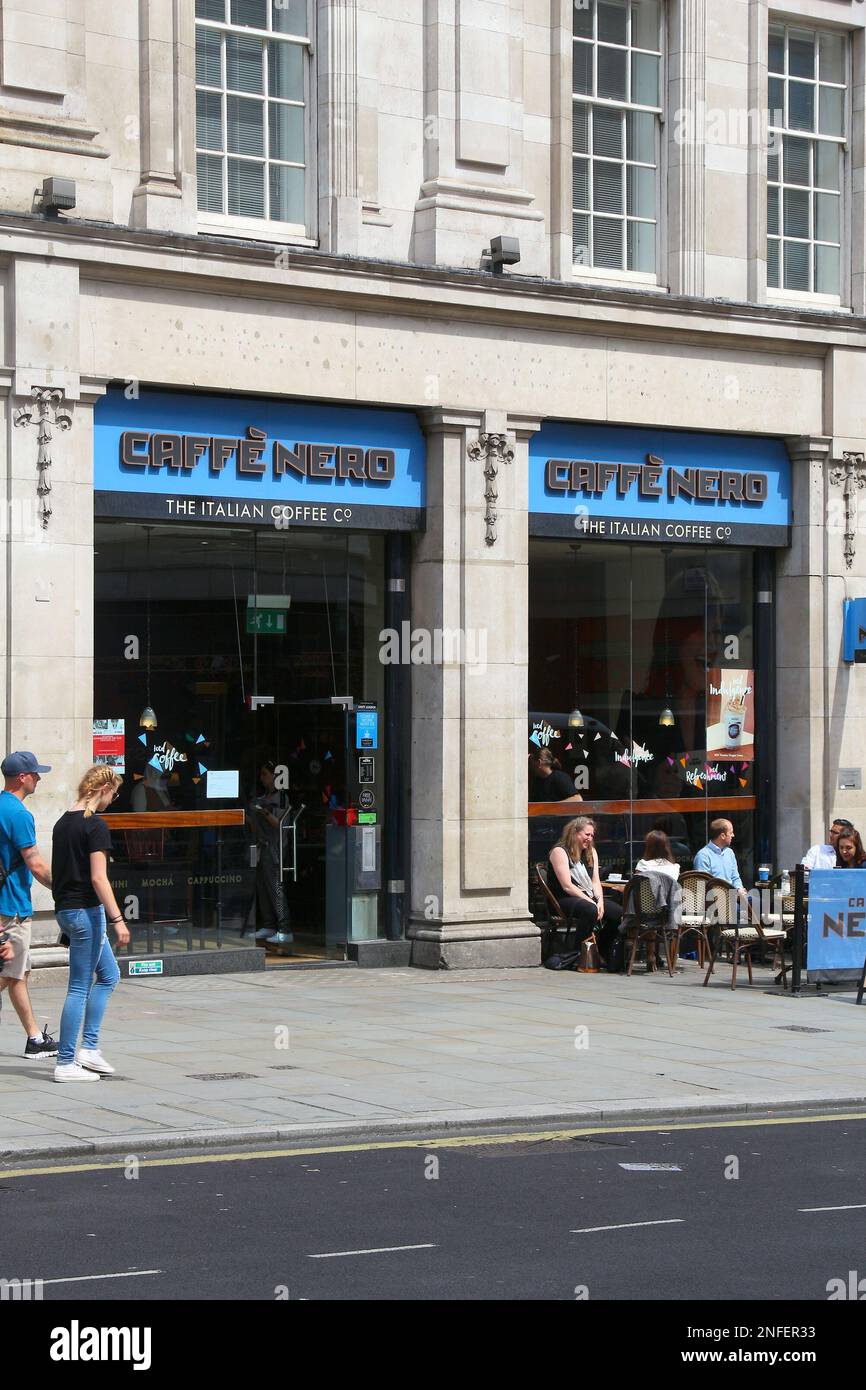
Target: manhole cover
[
  {"x": 800, "y": 1028},
  {"x": 221, "y": 1076}
]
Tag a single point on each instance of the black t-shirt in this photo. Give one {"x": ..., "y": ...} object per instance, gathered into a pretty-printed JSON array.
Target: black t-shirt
[
  {"x": 75, "y": 839},
  {"x": 557, "y": 787}
]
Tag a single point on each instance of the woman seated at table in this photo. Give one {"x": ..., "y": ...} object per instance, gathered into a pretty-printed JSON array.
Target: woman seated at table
[
  {"x": 547, "y": 781},
  {"x": 657, "y": 856},
  {"x": 573, "y": 878},
  {"x": 850, "y": 853}
]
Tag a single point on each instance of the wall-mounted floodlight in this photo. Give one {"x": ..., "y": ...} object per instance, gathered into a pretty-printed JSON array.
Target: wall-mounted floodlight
[{"x": 504, "y": 250}]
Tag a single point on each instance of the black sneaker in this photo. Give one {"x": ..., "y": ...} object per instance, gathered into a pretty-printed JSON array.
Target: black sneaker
[{"x": 47, "y": 1048}]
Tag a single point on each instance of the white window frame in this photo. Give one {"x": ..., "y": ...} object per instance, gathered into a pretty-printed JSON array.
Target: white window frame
[
  {"x": 260, "y": 228},
  {"x": 608, "y": 274},
  {"x": 818, "y": 299}
]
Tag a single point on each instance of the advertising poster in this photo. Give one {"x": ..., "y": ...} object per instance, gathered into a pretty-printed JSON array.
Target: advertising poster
[
  {"x": 109, "y": 743},
  {"x": 730, "y": 715}
]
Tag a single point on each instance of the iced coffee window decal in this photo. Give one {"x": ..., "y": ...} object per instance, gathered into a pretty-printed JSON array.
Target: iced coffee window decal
[{"x": 730, "y": 715}]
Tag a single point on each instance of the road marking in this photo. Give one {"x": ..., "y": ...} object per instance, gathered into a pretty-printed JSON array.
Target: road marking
[
  {"x": 651, "y": 1167},
  {"x": 629, "y": 1225},
  {"x": 488, "y": 1140},
  {"x": 859, "y": 1206},
  {"x": 87, "y": 1278},
  {"x": 380, "y": 1250}
]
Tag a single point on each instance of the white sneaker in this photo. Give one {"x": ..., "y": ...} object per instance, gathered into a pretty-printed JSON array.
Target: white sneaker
[
  {"x": 93, "y": 1060},
  {"x": 71, "y": 1071},
  {"x": 263, "y": 932}
]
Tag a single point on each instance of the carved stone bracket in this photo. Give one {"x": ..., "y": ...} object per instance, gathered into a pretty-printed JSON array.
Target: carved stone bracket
[
  {"x": 493, "y": 449},
  {"x": 850, "y": 475},
  {"x": 48, "y": 412}
]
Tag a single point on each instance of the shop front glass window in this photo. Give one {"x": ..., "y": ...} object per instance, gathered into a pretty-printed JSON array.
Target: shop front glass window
[
  {"x": 221, "y": 652},
  {"x": 642, "y": 686}
]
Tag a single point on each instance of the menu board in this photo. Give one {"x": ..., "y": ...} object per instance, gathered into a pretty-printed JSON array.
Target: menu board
[{"x": 109, "y": 743}]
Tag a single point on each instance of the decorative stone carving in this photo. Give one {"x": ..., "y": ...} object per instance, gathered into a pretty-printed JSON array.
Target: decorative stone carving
[
  {"x": 493, "y": 449},
  {"x": 850, "y": 475},
  {"x": 49, "y": 412}
]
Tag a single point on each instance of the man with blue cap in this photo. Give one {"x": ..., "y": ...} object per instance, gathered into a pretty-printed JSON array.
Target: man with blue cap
[{"x": 20, "y": 863}]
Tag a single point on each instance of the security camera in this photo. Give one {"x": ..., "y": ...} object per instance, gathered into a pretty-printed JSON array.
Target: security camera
[
  {"x": 58, "y": 195},
  {"x": 504, "y": 250}
]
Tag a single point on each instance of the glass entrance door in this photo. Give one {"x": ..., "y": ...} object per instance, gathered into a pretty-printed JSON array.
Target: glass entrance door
[{"x": 302, "y": 886}]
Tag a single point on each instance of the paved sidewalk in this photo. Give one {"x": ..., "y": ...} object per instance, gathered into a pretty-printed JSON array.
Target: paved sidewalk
[{"x": 385, "y": 1048}]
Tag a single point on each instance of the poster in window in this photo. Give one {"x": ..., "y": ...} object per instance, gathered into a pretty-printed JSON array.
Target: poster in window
[
  {"x": 730, "y": 715},
  {"x": 109, "y": 743}
]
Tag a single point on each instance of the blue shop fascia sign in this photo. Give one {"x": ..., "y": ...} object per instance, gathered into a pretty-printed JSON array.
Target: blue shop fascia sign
[
  {"x": 170, "y": 456},
  {"x": 602, "y": 482}
]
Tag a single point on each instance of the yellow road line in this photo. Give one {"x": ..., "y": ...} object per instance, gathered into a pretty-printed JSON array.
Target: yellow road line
[{"x": 462, "y": 1141}]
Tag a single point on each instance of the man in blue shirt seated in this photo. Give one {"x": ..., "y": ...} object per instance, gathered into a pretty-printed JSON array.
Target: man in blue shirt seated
[{"x": 717, "y": 857}]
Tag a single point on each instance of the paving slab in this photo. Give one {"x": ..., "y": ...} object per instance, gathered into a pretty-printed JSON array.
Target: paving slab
[{"x": 393, "y": 1050}]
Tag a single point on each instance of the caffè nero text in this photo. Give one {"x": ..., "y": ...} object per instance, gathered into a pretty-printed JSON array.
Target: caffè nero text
[
  {"x": 183, "y": 453},
  {"x": 700, "y": 484}
]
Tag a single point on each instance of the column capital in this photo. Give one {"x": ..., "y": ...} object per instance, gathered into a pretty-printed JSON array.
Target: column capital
[
  {"x": 441, "y": 419},
  {"x": 524, "y": 426},
  {"x": 809, "y": 448},
  {"x": 93, "y": 388}
]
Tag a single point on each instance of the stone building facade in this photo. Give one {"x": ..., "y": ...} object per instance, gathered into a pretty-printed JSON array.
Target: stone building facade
[{"x": 295, "y": 202}]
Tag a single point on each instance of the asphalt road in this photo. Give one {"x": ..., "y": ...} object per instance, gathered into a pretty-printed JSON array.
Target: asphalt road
[{"x": 491, "y": 1219}]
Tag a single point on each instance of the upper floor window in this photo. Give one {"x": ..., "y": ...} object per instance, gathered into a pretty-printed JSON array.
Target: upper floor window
[
  {"x": 616, "y": 109},
  {"x": 807, "y": 99},
  {"x": 252, "y": 63}
]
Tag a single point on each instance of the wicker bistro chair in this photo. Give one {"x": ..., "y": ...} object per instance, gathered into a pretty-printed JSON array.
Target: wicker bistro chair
[
  {"x": 555, "y": 916},
  {"x": 694, "y": 885},
  {"x": 650, "y": 925},
  {"x": 557, "y": 922},
  {"x": 725, "y": 914}
]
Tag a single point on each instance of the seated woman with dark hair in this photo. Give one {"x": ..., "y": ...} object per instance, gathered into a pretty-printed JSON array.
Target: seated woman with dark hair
[
  {"x": 573, "y": 878},
  {"x": 657, "y": 856},
  {"x": 850, "y": 853},
  {"x": 547, "y": 781}
]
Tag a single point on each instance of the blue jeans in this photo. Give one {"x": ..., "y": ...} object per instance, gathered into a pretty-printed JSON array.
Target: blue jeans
[{"x": 89, "y": 955}]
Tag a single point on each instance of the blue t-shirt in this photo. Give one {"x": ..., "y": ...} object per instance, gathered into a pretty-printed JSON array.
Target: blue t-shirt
[{"x": 17, "y": 832}]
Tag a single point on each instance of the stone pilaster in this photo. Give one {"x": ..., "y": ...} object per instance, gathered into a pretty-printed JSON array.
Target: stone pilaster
[
  {"x": 48, "y": 571},
  {"x": 686, "y": 146},
  {"x": 469, "y": 907},
  {"x": 759, "y": 19},
  {"x": 473, "y": 185},
  {"x": 340, "y": 194},
  {"x": 803, "y": 775},
  {"x": 165, "y": 197},
  {"x": 857, "y": 146}
]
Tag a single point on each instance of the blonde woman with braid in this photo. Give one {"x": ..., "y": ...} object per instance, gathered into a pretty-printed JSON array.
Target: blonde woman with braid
[{"x": 82, "y": 900}]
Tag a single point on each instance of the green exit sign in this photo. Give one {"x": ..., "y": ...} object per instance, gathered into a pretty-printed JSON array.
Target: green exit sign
[{"x": 267, "y": 621}]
